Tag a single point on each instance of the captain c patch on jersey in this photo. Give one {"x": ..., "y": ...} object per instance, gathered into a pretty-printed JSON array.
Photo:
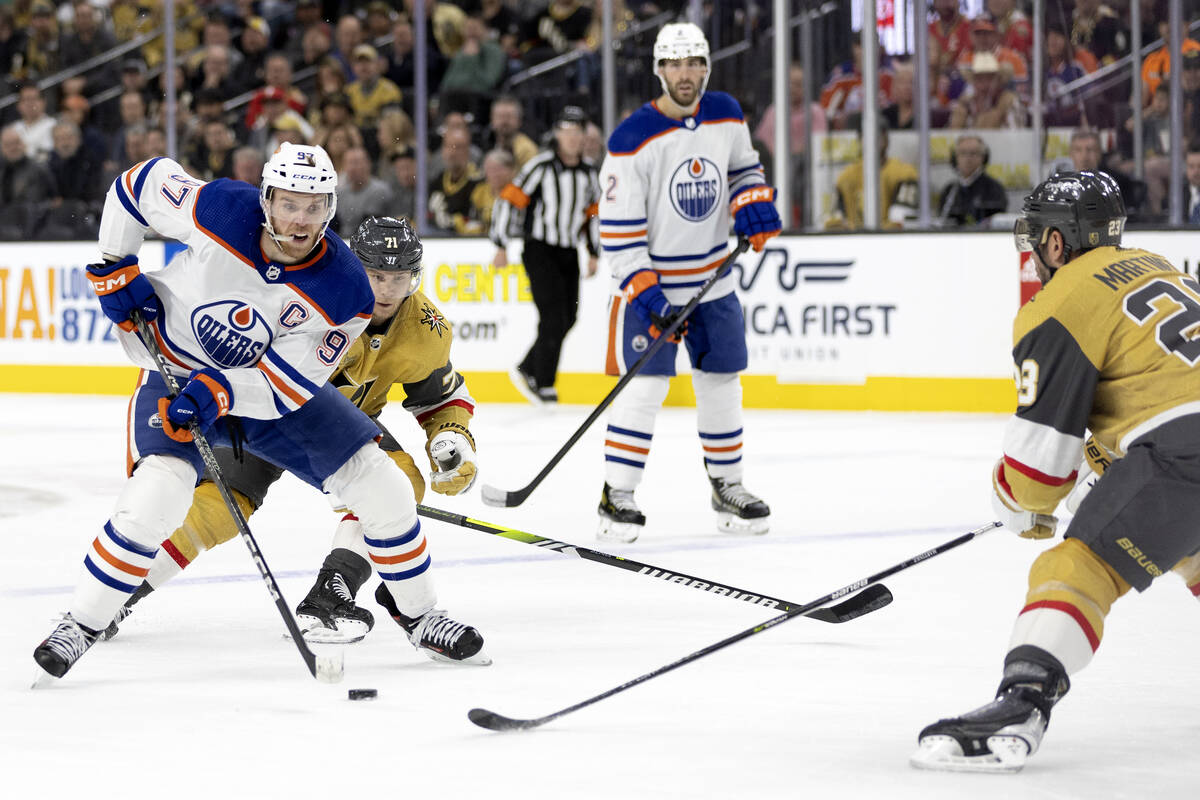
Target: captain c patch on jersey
[
  {"x": 695, "y": 188},
  {"x": 232, "y": 332}
]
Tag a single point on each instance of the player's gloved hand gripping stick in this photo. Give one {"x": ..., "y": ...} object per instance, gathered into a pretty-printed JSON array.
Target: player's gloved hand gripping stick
[
  {"x": 508, "y": 499},
  {"x": 325, "y": 668}
]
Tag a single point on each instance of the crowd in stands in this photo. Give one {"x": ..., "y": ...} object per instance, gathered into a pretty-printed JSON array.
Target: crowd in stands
[{"x": 84, "y": 94}]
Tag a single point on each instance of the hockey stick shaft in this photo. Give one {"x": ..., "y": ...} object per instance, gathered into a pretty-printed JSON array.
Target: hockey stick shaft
[
  {"x": 497, "y": 722},
  {"x": 508, "y": 499},
  {"x": 873, "y": 602},
  {"x": 218, "y": 479}
]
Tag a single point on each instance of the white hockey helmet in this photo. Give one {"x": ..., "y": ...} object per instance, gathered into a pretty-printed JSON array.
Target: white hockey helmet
[
  {"x": 681, "y": 40},
  {"x": 299, "y": 168}
]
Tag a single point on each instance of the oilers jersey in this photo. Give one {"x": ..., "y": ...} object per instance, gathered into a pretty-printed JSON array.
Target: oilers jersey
[
  {"x": 275, "y": 331},
  {"x": 665, "y": 192}
]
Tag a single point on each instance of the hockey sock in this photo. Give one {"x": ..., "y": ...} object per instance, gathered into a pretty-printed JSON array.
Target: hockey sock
[
  {"x": 719, "y": 422},
  {"x": 630, "y": 429},
  {"x": 403, "y": 565},
  {"x": 112, "y": 570},
  {"x": 1071, "y": 591}
]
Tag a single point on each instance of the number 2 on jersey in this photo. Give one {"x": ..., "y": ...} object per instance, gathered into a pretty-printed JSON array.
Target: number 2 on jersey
[{"x": 1176, "y": 332}]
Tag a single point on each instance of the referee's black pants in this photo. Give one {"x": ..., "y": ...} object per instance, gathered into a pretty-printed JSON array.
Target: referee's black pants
[{"x": 554, "y": 281}]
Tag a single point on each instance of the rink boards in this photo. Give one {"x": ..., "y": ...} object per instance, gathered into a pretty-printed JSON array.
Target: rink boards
[{"x": 916, "y": 322}]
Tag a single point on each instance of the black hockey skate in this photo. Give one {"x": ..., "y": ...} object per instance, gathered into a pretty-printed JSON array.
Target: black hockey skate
[
  {"x": 63, "y": 647},
  {"x": 738, "y": 511},
  {"x": 436, "y": 635},
  {"x": 124, "y": 611},
  {"x": 620, "y": 518},
  {"x": 1000, "y": 736},
  {"x": 328, "y": 615}
]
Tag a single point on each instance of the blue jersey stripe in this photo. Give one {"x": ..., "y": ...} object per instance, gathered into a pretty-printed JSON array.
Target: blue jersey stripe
[
  {"x": 413, "y": 533},
  {"x": 641, "y": 221},
  {"x": 408, "y": 573},
  {"x": 132, "y": 547},
  {"x": 613, "y": 248},
  {"x": 123, "y": 196},
  {"x": 625, "y": 461},
  {"x": 628, "y": 432},
  {"x": 695, "y": 257},
  {"x": 141, "y": 179},
  {"x": 287, "y": 369},
  {"x": 729, "y": 435},
  {"x": 722, "y": 461},
  {"x": 107, "y": 579}
]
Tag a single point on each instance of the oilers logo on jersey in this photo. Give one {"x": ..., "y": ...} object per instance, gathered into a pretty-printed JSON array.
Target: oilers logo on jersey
[
  {"x": 695, "y": 188},
  {"x": 231, "y": 332}
]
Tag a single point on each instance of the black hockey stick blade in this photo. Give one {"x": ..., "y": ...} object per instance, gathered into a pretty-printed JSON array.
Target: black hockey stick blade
[
  {"x": 509, "y": 499},
  {"x": 865, "y": 602},
  {"x": 498, "y": 722}
]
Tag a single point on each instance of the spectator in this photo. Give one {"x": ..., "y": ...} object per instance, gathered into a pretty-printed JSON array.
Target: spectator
[
  {"x": 456, "y": 194},
  {"x": 289, "y": 127},
  {"x": 403, "y": 182},
  {"x": 842, "y": 93},
  {"x": 897, "y": 191},
  {"x": 986, "y": 103},
  {"x": 765, "y": 132},
  {"x": 42, "y": 56},
  {"x": 254, "y": 44},
  {"x": 1097, "y": 28},
  {"x": 248, "y": 165},
  {"x": 133, "y": 79},
  {"x": 562, "y": 26},
  {"x": 1087, "y": 156},
  {"x": 1191, "y": 200},
  {"x": 1016, "y": 31},
  {"x": 973, "y": 196},
  {"x": 594, "y": 148},
  {"x": 443, "y": 25},
  {"x": 215, "y": 31},
  {"x": 901, "y": 114},
  {"x": 347, "y": 35},
  {"x": 478, "y": 67},
  {"x": 499, "y": 168},
  {"x": 278, "y": 72},
  {"x": 156, "y": 143},
  {"x": 88, "y": 40},
  {"x": 132, "y": 109},
  {"x": 215, "y": 71},
  {"x": 335, "y": 111},
  {"x": 359, "y": 193},
  {"x": 34, "y": 125},
  {"x": 75, "y": 108},
  {"x": 455, "y": 120},
  {"x": 315, "y": 46},
  {"x": 379, "y": 20},
  {"x": 504, "y": 129},
  {"x": 76, "y": 173},
  {"x": 12, "y": 43},
  {"x": 337, "y": 140},
  {"x": 986, "y": 39},
  {"x": 370, "y": 92},
  {"x": 396, "y": 132},
  {"x": 294, "y": 33},
  {"x": 1062, "y": 108},
  {"x": 949, "y": 37},
  {"x": 331, "y": 82},
  {"x": 24, "y": 186},
  {"x": 275, "y": 109},
  {"x": 219, "y": 143},
  {"x": 1157, "y": 66},
  {"x": 400, "y": 56}
]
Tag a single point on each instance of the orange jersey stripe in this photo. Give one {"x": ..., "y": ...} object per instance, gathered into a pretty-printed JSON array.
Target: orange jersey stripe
[
  {"x": 401, "y": 558},
  {"x": 711, "y": 449},
  {"x": 691, "y": 271},
  {"x": 629, "y": 235},
  {"x": 610, "y": 362},
  {"x": 124, "y": 566},
  {"x": 643, "y": 450}
]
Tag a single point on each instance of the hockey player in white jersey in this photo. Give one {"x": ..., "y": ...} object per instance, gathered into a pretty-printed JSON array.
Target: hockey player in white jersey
[
  {"x": 673, "y": 168},
  {"x": 252, "y": 317}
]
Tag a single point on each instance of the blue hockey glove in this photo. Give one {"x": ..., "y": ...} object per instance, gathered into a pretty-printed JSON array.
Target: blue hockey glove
[
  {"x": 754, "y": 215},
  {"x": 643, "y": 293},
  {"x": 206, "y": 398},
  {"x": 121, "y": 287}
]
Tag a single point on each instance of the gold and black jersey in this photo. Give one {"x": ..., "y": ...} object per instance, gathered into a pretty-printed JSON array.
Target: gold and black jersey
[
  {"x": 1110, "y": 344},
  {"x": 411, "y": 351}
]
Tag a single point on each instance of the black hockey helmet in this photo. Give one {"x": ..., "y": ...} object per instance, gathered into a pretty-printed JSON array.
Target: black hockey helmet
[
  {"x": 1085, "y": 207},
  {"x": 389, "y": 244}
]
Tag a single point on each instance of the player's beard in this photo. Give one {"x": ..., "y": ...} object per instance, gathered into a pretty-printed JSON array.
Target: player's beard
[{"x": 681, "y": 100}]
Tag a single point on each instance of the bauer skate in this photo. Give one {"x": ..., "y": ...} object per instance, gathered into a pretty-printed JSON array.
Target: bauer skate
[
  {"x": 620, "y": 518},
  {"x": 1000, "y": 736},
  {"x": 63, "y": 647},
  {"x": 328, "y": 615},
  {"x": 436, "y": 635},
  {"x": 738, "y": 511}
]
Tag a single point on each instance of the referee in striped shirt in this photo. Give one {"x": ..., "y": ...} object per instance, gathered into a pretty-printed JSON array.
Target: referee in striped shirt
[{"x": 554, "y": 197}]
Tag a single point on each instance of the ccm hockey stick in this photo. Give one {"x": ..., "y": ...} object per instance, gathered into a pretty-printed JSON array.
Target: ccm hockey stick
[
  {"x": 325, "y": 668},
  {"x": 872, "y": 599},
  {"x": 508, "y": 499},
  {"x": 498, "y": 722}
]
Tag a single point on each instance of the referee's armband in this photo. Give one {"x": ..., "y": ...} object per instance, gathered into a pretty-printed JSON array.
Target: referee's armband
[{"x": 514, "y": 196}]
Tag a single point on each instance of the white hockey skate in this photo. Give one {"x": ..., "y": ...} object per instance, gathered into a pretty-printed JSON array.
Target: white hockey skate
[
  {"x": 738, "y": 511},
  {"x": 620, "y": 519},
  {"x": 998, "y": 737}
]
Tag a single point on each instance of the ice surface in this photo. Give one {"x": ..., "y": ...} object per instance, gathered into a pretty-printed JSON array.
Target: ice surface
[{"x": 202, "y": 696}]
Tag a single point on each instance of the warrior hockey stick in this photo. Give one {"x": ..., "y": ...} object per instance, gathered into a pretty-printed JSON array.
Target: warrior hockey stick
[
  {"x": 326, "y": 668},
  {"x": 873, "y": 599},
  {"x": 498, "y": 722},
  {"x": 508, "y": 499}
]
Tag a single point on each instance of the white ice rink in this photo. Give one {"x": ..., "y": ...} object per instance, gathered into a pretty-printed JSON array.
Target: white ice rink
[{"x": 202, "y": 696}]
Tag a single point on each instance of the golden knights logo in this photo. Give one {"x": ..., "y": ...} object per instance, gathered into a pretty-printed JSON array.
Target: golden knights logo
[{"x": 436, "y": 322}]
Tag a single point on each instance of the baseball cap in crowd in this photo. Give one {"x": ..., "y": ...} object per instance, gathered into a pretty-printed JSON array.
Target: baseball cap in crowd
[
  {"x": 134, "y": 65},
  {"x": 365, "y": 51},
  {"x": 571, "y": 115},
  {"x": 259, "y": 24},
  {"x": 984, "y": 64}
]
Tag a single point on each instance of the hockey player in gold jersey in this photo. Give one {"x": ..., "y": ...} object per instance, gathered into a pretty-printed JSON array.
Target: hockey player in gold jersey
[
  {"x": 406, "y": 345},
  {"x": 1109, "y": 345}
]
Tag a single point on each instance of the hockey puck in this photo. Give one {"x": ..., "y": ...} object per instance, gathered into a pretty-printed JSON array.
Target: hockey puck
[{"x": 363, "y": 694}]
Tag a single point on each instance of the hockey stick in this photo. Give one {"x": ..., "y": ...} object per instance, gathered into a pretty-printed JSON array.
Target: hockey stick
[
  {"x": 508, "y": 499},
  {"x": 872, "y": 599},
  {"x": 498, "y": 722},
  {"x": 327, "y": 669}
]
